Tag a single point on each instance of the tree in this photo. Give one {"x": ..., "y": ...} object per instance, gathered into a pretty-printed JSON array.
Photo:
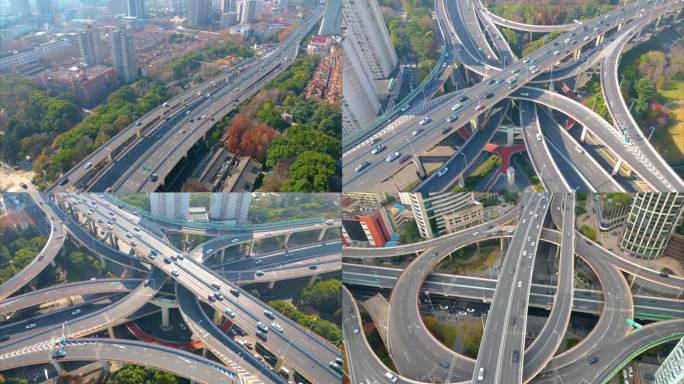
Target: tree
[
  {"x": 311, "y": 172},
  {"x": 324, "y": 296},
  {"x": 410, "y": 234},
  {"x": 269, "y": 115},
  {"x": 588, "y": 231}
]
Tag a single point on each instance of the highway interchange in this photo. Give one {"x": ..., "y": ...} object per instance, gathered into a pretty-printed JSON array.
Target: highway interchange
[
  {"x": 597, "y": 41},
  {"x": 503, "y": 355},
  {"x": 84, "y": 219}
]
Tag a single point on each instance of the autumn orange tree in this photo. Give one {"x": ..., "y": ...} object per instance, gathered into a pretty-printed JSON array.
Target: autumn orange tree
[{"x": 245, "y": 139}]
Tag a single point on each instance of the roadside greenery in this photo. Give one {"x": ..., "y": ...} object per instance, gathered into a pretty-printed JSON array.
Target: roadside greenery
[
  {"x": 292, "y": 206},
  {"x": 17, "y": 249},
  {"x": 588, "y": 231},
  {"x": 326, "y": 329},
  {"x": 186, "y": 65},
  {"x": 123, "y": 106},
  {"x": 31, "y": 118},
  {"x": 410, "y": 233},
  {"x": 135, "y": 374}
]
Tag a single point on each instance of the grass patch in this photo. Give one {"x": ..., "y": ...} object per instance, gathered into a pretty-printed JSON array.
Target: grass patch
[
  {"x": 468, "y": 259},
  {"x": 669, "y": 141},
  {"x": 475, "y": 177},
  {"x": 523, "y": 163},
  {"x": 448, "y": 332}
]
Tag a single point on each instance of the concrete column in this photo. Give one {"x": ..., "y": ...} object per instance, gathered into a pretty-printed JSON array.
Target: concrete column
[
  {"x": 474, "y": 123},
  {"x": 287, "y": 238},
  {"x": 599, "y": 39},
  {"x": 616, "y": 169},
  {"x": 278, "y": 365},
  {"x": 109, "y": 157},
  {"x": 218, "y": 318},
  {"x": 583, "y": 135},
  {"x": 111, "y": 333},
  {"x": 165, "y": 317},
  {"x": 59, "y": 368},
  {"x": 271, "y": 284},
  {"x": 251, "y": 246},
  {"x": 137, "y": 134},
  {"x": 204, "y": 352},
  {"x": 419, "y": 166},
  {"x": 321, "y": 235},
  {"x": 460, "y": 181},
  {"x": 502, "y": 243},
  {"x": 576, "y": 54},
  {"x": 509, "y": 135},
  {"x": 313, "y": 279}
]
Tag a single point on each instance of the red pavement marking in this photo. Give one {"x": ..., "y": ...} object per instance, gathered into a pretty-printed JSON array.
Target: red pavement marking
[{"x": 141, "y": 335}]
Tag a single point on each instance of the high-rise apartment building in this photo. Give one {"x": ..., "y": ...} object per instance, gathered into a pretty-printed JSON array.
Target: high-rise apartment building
[
  {"x": 136, "y": 8},
  {"x": 171, "y": 205},
  {"x": 123, "y": 56},
  {"x": 431, "y": 210},
  {"x": 91, "y": 46},
  {"x": 230, "y": 207},
  {"x": 360, "y": 103},
  {"x": 612, "y": 209},
  {"x": 366, "y": 30},
  {"x": 671, "y": 371},
  {"x": 198, "y": 12},
  {"x": 228, "y": 6},
  {"x": 651, "y": 220},
  {"x": 45, "y": 7},
  {"x": 366, "y": 226}
]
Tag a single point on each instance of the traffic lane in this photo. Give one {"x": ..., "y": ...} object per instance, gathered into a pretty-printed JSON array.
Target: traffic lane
[
  {"x": 168, "y": 359},
  {"x": 582, "y": 164},
  {"x": 470, "y": 150},
  {"x": 248, "y": 263},
  {"x": 538, "y": 152}
]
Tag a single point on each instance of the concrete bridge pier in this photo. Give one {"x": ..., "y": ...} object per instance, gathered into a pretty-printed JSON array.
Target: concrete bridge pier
[
  {"x": 616, "y": 169},
  {"x": 271, "y": 284},
  {"x": 576, "y": 54},
  {"x": 313, "y": 279},
  {"x": 110, "y": 332},
  {"x": 287, "y": 238},
  {"x": 251, "y": 246},
  {"x": 419, "y": 166},
  {"x": 620, "y": 25},
  {"x": 165, "y": 314},
  {"x": 583, "y": 136},
  {"x": 460, "y": 181},
  {"x": 474, "y": 124},
  {"x": 321, "y": 235},
  {"x": 59, "y": 368},
  {"x": 218, "y": 318},
  {"x": 599, "y": 39}
]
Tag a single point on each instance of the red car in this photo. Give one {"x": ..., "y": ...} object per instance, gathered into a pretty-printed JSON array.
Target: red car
[{"x": 480, "y": 107}]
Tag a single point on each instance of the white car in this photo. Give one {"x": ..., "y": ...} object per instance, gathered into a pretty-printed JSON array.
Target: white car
[
  {"x": 392, "y": 156},
  {"x": 425, "y": 120},
  {"x": 377, "y": 149},
  {"x": 456, "y": 107},
  {"x": 442, "y": 172},
  {"x": 277, "y": 327},
  {"x": 538, "y": 136},
  {"x": 235, "y": 240},
  {"x": 556, "y": 52}
]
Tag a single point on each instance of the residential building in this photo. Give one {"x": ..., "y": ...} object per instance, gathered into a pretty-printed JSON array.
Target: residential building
[
  {"x": 90, "y": 45},
  {"x": 45, "y": 8},
  {"x": 229, "y": 19},
  {"x": 198, "y": 12},
  {"x": 231, "y": 207},
  {"x": 247, "y": 10},
  {"x": 170, "y": 205},
  {"x": 360, "y": 103},
  {"x": 652, "y": 219},
  {"x": 319, "y": 45},
  {"x": 117, "y": 7},
  {"x": 136, "y": 8},
  {"x": 367, "y": 33},
  {"x": 429, "y": 210},
  {"x": 198, "y": 214},
  {"x": 89, "y": 85},
  {"x": 612, "y": 209},
  {"x": 671, "y": 371},
  {"x": 367, "y": 198},
  {"x": 228, "y": 6},
  {"x": 33, "y": 55},
  {"x": 123, "y": 56}
]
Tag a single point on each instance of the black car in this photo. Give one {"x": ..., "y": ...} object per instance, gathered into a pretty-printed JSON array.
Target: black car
[
  {"x": 516, "y": 356},
  {"x": 4, "y": 338},
  {"x": 64, "y": 181},
  {"x": 235, "y": 292},
  {"x": 593, "y": 359},
  {"x": 489, "y": 96},
  {"x": 462, "y": 99}
]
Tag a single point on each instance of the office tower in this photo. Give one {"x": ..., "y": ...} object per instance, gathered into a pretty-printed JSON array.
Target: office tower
[
  {"x": 170, "y": 205},
  {"x": 671, "y": 371},
  {"x": 117, "y": 7},
  {"x": 651, "y": 220},
  {"x": 136, "y": 8},
  {"x": 360, "y": 103},
  {"x": 198, "y": 12},
  {"x": 368, "y": 226},
  {"x": 21, "y": 6},
  {"x": 90, "y": 45},
  {"x": 247, "y": 10},
  {"x": 431, "y": 210},
  {"x": 230, "y": 207},
  {"x": 332, "y": 19},
  {"x": 612, "y": 209},
  {"x": 123, "y": 56},
  {"x": 368, "y": 34}
]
